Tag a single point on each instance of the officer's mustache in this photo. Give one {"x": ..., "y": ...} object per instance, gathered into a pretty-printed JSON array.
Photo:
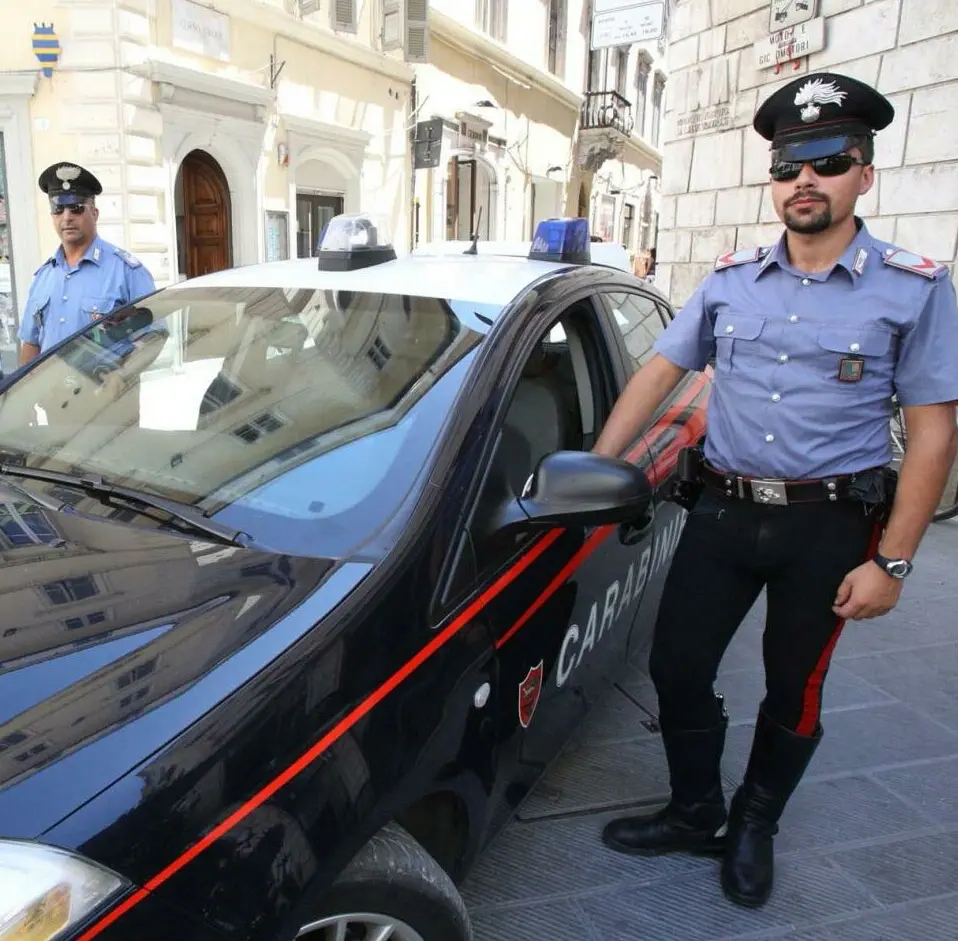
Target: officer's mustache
[{"x": 807, "y": 194}]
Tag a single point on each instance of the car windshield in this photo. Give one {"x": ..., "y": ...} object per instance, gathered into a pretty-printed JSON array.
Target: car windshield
[{"x": 301, "y": 417}]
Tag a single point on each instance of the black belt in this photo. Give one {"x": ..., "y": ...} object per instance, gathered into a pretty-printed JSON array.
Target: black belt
[{"x": 774, "y": 492}]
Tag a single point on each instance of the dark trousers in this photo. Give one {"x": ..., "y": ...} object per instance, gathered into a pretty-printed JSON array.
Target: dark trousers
[{"x": 729, "y": 551}]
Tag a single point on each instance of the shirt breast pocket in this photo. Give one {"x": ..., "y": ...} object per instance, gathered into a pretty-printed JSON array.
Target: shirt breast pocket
[
  {"x": 736, "y": 338},
  {"x": 92, "y": 308},
  {"x": 851, "y": 355}
]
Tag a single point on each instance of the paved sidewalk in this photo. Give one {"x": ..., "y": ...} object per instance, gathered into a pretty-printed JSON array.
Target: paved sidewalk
[{"x": 869, "y": 843}]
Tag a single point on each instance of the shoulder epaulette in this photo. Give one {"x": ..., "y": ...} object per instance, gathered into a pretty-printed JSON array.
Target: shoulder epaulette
[
  {"x": 49, "y": 261},
  {"x": 742, "y": 257},
  {"x": 131, "y": 260},
  {"x": 909, "y": 261}
]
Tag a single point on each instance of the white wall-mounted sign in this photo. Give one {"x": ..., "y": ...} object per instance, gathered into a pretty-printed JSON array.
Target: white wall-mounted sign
[
  {"x": 200, "y": 30},
  {"x": 623, "y": 22},
  {"x": 791, "y": 43}
]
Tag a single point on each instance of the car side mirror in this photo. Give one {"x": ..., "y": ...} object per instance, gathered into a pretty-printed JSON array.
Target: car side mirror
[{"x": 578, "y": 488}]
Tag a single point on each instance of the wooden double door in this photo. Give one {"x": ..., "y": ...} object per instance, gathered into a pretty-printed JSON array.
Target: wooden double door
[{"x": 204, "y": 216}]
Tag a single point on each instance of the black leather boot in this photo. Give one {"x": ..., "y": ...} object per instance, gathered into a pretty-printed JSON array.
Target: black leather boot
[
  {"x": 778, "y": 760},
  {"x": 694, "y": 819}
]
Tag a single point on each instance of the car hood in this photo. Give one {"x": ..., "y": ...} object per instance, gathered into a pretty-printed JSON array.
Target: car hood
[{"x": 113, "y": 639}]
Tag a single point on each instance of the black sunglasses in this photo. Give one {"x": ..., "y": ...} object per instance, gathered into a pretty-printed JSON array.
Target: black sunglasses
[
  {"x": 832, "y": 165},
  {"x": 77, "y": 209}
]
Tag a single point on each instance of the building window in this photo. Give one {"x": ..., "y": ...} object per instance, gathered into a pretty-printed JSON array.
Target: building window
[
  {"x": 555, "y": 44},
  {"x": 658, "y": 94},
  {"x": 68, "y": 590},
  {"x": 640, "y": 107},
  {"x": 597, "y": 66},
  {"x": 139, "y": 672},
  {"x": 492, "y": 17},
  {"x": 23, "y": 524},
  {"x": 84, "y": 620},
  {"x": 621, "y": 69},
  {"x": 313, "y": 211},
  {"x": 378, "y": 353}
]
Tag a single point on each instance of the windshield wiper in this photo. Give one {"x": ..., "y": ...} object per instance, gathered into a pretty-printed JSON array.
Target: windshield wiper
[{"x": 95, "y": 486}]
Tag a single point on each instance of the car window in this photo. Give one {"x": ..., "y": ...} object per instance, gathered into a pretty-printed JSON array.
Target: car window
[
  {"x": 560, "y": 402},
  {"x": 639, "y": 321},
  {"x": 262, "y": 407}
]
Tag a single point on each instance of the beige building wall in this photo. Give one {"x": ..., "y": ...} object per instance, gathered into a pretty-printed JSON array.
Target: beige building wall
[
  {"x": 287, "y": 106},
  {"x": 716, "y": 167},
  {"x": 512, "y": 130}
]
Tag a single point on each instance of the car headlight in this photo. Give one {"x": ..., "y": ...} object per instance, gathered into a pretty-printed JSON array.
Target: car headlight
[{"x": 45, "y": 891}]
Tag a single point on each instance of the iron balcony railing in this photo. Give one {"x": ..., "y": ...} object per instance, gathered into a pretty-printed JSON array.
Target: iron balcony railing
[{"x": 606, "y": 110}]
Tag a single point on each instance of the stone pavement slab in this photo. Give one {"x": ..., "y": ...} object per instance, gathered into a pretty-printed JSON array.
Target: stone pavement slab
[{"x": 868, "y": 849}]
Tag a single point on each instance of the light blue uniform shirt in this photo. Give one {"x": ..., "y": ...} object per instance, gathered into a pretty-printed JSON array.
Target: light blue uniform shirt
[
  {"x": 63, "y": 300},
  {"x": 806, "y": 364}
]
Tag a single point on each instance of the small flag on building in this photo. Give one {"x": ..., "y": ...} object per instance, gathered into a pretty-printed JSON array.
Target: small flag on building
[{"x": 46, "y": 47}]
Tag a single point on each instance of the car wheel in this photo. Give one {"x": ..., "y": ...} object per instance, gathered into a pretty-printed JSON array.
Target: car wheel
[{"x": 392, "y": 889}]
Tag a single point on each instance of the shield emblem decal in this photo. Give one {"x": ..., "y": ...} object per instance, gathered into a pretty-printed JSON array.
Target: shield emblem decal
[{"x": 529, "y": 690}]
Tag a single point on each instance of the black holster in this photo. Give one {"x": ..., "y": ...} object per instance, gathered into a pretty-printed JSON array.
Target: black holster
[
  {"x": 876, "y": 489},
  {"x": 687, "y": 485}
]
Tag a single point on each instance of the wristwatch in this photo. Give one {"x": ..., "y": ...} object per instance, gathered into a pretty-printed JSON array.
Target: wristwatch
[{"x": 896, "y": 568}]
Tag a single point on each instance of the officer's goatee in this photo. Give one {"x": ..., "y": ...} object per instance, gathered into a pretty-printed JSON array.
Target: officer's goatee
[{"x": 817, "y": 220}]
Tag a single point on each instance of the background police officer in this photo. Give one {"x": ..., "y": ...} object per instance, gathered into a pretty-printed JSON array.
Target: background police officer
[
  {"x": 87, "y": 277},
  {"x": 811, "y": 338}
]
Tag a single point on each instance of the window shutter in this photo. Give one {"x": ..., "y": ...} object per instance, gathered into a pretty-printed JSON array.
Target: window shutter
[
  {"x": 343, "y": 13},
  {"x": 417, "y": 31},
  {"x": 392, "y": 36},
  {"x": 308, "y": 6}
]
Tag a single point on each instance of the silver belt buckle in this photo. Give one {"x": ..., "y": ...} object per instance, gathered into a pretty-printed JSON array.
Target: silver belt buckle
[{"x": 771, "y": 492}]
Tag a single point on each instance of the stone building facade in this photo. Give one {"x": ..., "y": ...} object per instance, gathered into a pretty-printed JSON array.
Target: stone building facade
[{"x": 715, "y": 196}]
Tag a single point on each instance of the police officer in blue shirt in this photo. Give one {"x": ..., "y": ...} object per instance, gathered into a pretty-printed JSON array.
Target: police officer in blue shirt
[
  {"x": 87, "y": 277},
  {"x": 811, "y": 339}
]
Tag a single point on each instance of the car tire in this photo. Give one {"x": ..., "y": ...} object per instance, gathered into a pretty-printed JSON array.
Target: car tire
[{"x": 393, "y": 878}]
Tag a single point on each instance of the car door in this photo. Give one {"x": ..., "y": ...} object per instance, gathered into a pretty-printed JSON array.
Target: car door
[
  {"x": 566, "y": 598},
  {"x": 637, "y": 320}
]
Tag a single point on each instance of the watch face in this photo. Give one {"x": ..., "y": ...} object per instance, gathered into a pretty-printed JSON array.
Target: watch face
[
  {"x": 785, "y": 13},
  {"x": 899, "y": 569}
]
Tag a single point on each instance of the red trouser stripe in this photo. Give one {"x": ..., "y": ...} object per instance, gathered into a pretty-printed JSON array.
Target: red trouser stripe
[{"x": 812, "y": 700}]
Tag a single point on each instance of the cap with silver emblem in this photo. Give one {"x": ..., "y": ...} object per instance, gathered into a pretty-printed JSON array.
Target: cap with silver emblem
[
  {"x": 68, "y": 183},
  {"x": 814, "y": 115}
]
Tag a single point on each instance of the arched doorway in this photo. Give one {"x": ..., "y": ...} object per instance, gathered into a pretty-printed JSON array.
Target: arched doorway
[{"x": 203, "y": 216}]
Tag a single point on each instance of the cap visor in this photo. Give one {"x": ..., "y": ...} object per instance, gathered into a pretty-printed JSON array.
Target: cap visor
[
  {"x": 801, "y": 151},
  {"x": 67, "y": 199}
]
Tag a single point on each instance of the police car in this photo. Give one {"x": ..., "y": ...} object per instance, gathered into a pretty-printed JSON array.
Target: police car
[{"x": 299, "y": 603}]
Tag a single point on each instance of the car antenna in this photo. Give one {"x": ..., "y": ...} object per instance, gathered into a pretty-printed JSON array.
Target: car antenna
[{"x": 474, "y": 248}]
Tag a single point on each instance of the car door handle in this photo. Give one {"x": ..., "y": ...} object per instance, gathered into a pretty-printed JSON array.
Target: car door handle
[{"x": 635, "y": 531}]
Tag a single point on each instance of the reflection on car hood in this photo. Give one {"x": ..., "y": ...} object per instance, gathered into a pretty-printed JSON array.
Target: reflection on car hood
[{"x": 107, "y": 633}]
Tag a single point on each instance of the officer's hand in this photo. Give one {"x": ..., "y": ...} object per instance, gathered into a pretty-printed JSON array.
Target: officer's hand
[{"x": 866, "y": 592}]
